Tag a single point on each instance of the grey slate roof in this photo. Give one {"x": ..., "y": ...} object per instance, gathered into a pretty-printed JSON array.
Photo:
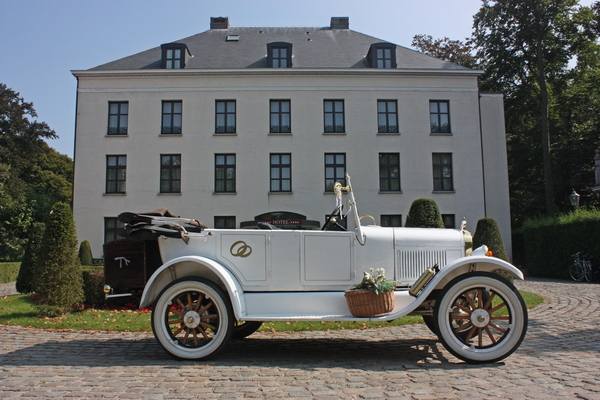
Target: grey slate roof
[{"x": 313, "y": 47}]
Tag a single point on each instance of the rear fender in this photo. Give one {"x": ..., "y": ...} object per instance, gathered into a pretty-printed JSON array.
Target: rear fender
[{"x": 194, "y": 266}]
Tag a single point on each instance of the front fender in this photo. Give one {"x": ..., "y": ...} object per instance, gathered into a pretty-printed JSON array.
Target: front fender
[
  {"x": 194, "y": 266},
  {"x": 468, "y": 264}
]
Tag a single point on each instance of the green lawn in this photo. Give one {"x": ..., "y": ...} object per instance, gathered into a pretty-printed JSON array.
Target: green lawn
[{"x": 20, "y": 310}]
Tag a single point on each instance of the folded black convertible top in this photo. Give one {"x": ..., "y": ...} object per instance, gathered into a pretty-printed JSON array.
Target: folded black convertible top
[{"x": 149, "y": 225}]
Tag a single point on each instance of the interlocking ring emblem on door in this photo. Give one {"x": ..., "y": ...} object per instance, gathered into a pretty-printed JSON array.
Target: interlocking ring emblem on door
[{"x": 240, "y": 249}]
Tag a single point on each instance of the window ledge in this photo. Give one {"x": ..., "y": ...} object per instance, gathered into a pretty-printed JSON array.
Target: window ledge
[
  {"x": 169, "y": 194},
  {"x": 114, "y": 135},
  {"x": 280, "y": 193},
  {"x": 170, "y": 134},
  {"x": 440, "y": 134},
  {"x": 443, "y": 191},
  {"x": 225, "y": 193},
  {"x": 334, "y": 133},
  {"x": 280, "y": 133},
  {"x": 388, "y": 133},
  {"x": 114, "y": 194},
  {"x": 225, "y": 134},
  {"x": 390, "y": 192}
]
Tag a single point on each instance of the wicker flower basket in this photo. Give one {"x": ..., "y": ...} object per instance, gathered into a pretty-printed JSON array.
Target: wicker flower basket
[{"x": 366, "y": 303}]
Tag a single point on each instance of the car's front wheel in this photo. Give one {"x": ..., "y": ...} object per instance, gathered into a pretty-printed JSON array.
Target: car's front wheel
[
  {"x": 192, "y": 319},
  {"x": 480, "y": 317}
]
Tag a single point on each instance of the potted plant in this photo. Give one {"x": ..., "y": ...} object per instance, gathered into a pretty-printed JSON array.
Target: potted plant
[{"x": 374, "y": 295}]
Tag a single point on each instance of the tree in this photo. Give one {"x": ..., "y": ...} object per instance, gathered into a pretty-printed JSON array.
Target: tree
[
  {"x": 60, "y": 284},
  {"x": 455, "y": 51},
  {"x": 526, "y": 47},
  {"x": 33, "y": 176},
  {"x": 424, "y": 213},
  {"x": 28, "y": 272}
]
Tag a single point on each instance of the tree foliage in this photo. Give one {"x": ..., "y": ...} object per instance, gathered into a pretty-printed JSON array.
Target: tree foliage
[
  {"x": 33, "y": 176},
  {"x": 528, "y": 49},
  {"x": 59, "y": 282},
  {"x": 544, "y": 56},
  {"x": 455, "y": 51}
]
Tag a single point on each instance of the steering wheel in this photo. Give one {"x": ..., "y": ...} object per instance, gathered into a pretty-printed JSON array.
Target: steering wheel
[{"x": 331, "y": 219}]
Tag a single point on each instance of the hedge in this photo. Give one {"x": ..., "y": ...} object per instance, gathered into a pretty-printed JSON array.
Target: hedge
[
  {"x": 9, "y": 271},
  {"x": 549, "y": 243}
]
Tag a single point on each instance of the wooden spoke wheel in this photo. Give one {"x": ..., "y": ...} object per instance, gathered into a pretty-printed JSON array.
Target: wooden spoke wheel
[
  {"x": 480, "y": 317},
  {"x": 192, "y": 319}
]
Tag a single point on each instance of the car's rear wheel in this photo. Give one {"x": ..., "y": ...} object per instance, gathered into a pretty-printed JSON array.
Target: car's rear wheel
[
  {"x": 480, "y": 317},
  {"x": 192, "y": 319},
  {"x": 244, "y": 329}
]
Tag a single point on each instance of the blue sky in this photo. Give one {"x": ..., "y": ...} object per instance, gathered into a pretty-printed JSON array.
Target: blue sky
[{"x": 43, "y": 40}]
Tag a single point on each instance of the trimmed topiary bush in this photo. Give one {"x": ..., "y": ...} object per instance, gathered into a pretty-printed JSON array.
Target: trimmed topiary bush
[
  {"x": 59, "y": 284},
  {"x": 26, "y": 280},
  {"x": 93, "y": 285},
  {"x": 487, "y": 233},
  {"x": 85, "y": 253},
  {"x": 424, "y": 213}
]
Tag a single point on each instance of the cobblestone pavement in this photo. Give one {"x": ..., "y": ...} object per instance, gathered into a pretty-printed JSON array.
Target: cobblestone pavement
[{"x": 559, "y": 358}]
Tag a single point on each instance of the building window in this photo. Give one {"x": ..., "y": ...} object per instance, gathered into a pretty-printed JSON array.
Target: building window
[
  {"x": 225, "y": 222},
  {"x": 174, "y": 55},
  {"x": 224, "y": 173},
  {"x": 439, "y": 116},
  {"x": 442, "y": 172},
  {"x": 281, "y": 172},
  {"x": 387, "y": 116},
  {"x": 392, "y": 220},
  {"x": 334, "y": 116},
  {"x": 449, "y": 221},
  {"x": 170, "y": 173},
  {"x": 389, "y": 172},
  {"x": 111, "y": 229},
  {"x": 279, "y": 55},
  {"x": 225, "y": 116},
  {"x": 280, "y": 116},
  {"x": 171, "y": 117},
  {"x": 382, "y": 55},
  {"x": 116, "y": 168},
  {"x": 118, "y": 118},
  {"x": 335, "y": 170}
]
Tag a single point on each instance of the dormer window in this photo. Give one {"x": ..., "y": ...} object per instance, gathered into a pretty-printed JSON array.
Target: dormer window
[
  {"x": 382, "y": 55},
  {"x": 174, "y": 55},
  {"x": 279, "y": 55}
]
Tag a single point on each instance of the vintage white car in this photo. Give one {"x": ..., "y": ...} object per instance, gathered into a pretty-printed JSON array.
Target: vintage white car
[{"x": 215, "y": 283}]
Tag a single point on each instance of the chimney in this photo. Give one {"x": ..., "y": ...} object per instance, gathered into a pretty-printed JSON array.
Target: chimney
[
  {"x": 340, "y": 23},
  {"x": 219, "y": 22}
]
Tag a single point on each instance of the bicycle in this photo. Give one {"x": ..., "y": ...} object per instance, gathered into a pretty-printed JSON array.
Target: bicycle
[{"x": 581, "y": 268}]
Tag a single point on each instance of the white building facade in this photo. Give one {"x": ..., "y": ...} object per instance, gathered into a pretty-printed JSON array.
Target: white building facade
[{"x": 237, "y": 122}]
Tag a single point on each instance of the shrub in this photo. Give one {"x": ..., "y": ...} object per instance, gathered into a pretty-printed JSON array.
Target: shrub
[
  {"x": 424, "y": 213},
  {"x": 9, "y": 271},
  {"x": 85, "y": 253},
  {"x": 487, "y": 233},
  {"x": 93, "y": 285},
  {"x": 60, "y": 284},
  {"x": 550, "y": 242},
  {"x": 26, "y": 281}
]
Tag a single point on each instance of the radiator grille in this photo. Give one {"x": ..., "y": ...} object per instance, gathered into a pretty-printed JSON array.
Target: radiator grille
[{"x": 412, "y": 263}]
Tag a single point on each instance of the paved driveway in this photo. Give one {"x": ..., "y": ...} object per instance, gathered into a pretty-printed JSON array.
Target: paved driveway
[{"x": 560, "y": 358}]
